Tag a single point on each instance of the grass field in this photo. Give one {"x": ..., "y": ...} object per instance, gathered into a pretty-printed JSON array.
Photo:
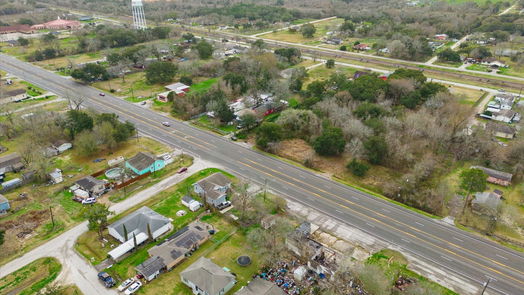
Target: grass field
[
  {"x": 134, "y": 87},
  {"x": 203, "y": 86},
  {"x": 31, "y": 278},
  {"x": 71, "y": 60},
  {"x": 296, "y": 37},
  {"x": 323, "y": 73}
]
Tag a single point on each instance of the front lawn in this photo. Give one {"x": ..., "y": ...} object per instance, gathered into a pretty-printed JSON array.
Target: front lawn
[{"x": 203, "y": 86}]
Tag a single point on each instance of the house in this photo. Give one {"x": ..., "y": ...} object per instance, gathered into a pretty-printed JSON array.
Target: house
[
  {"x": 441, "y": 37},
  {"x": 213, "y": 188},
  {"x": 15, "y": 95},
  {"x": 493, "y": 63},
  {"x": 49, "y": 152},
  {"x": 505, "y": 100},
  {"x": 143, "y": 163},
  {"x": 259, "y": 286},
  {"x": 495, "y": 176},
  {"x": 24, "y": 29},
  {"x": 175, "y": 248},
  {"x": 503, "y": 130},
  {"x": 493, "y": 106},
  {"x": 191, "y": 203},
  {"x": 55, "y": 176},
  {"x": 486, "y": 203},
  {"x": 179, "y": 89},
  {"x": 62, "y": 146},
  {"x": 384, "y": 50},
  {"x": 206, "y": 278},
  {"x": 4, "y": 204},
  {"x": 333, "y": 41},
  {"x": 95, "y": 187},
  {"x": 58, "y": 24},
  {"x": 11, "y": 163},
  {"x": 139, "y": 222},
  {"x": 151, "y": 268},
  {"x": 268, "y": 221},
  {"x": 506, "y": 116},
  {"x": 362, "y": 47}
]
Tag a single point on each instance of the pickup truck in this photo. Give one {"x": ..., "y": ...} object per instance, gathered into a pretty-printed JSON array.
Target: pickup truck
[{"x": 106, "y": 279}]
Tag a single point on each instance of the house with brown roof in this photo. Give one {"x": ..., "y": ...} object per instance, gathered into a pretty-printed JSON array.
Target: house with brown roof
[
  {"x": 174, "y": 249},
  {"x": 24, "y": 29},
  {"x": 213, "y": 189},
  {"x": 58, "y": 24},
  {"x": 496, "y": 176}
]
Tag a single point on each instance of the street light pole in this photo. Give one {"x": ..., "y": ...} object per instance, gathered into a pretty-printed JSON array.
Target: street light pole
[{"x": 485, "y": 286}]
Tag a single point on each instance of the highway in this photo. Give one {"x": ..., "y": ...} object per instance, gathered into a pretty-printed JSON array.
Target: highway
[{"x": 454, "y": 251}]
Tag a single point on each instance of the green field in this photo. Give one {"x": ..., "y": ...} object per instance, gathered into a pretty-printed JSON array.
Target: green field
[{"x": 31, "y": 278}]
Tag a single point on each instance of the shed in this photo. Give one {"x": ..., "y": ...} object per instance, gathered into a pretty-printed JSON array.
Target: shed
[
  {"x": 11, "y": 184},
  {"x": 191, "y": 203},
  {"x": 127, "y": 246},
  {"x": 4, "y": 204},
  {"x": 495, "y": 176}
]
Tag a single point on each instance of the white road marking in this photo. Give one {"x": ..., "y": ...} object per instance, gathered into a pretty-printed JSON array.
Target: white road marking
[
  {"x": 407, "y": 241},
  {"x": 458, "y": 239},
  {"x": 370, "y": 224},
  {"x": 501, "y": 256},
  {"x": 419, "y": 223},
  {"x": 446, "y": 258},
  {"x": 385, "y": 210}
]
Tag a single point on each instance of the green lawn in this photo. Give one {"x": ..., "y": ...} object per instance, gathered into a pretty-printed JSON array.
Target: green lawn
[
  {"x": 203, "y": 86},
  {"x": 477, "y": 67},
  {"x": 213, "y": 125},
  {"x": 31, "y": 278}
]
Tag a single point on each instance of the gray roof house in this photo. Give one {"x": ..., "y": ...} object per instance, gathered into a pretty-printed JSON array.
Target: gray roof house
[
  {"x": 11, "y": 162},
  {"x": 503, "y": 130},
  {"x": 260, "y": 286},
  {"x": 137, "y": 222},
  {"x": 151, "y": 268},
  {"x": 206, "y": 278},
  {"x": 213, "y": 188},
  {"x": 92, "y": 185}
]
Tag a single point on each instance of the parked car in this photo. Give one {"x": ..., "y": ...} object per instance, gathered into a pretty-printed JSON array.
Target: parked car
[
  {"x": 166, "y": 124},
  {"x": 125, "y": 284},
  {"x": 182, "y": 170},
  {"x": 108, "y": 281},
  {"x": 133, "y": 288},
  {"x": 224, "y": 205},
  {"x": 89, "y": 200}
]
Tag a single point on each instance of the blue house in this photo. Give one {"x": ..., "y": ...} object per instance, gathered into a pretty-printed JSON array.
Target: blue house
[
  {"x": 143, "y": 163},
  {"x": 4, "y": 204},
  {"x": 213, "y": 189}
]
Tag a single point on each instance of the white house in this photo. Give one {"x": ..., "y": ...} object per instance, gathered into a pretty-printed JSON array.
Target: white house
[{"x": 506, "y": 116}]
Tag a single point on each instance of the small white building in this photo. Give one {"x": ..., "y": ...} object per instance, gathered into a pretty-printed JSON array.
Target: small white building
[
  {"x": 191, "y": 203},
  {"x": 56, "y": 176}
]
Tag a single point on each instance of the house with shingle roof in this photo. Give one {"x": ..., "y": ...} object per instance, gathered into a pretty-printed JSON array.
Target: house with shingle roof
[
  {"x": 206, "y": 278},
  {"x": 138, "y": 222},
  {"x": 213, "y": 189},
  {"x": 260, "y": 286},
  {"x": 144, "y": 162},
  {"x": 496, "y": 176}
]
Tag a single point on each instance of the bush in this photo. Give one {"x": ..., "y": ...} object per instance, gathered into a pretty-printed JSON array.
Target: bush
[
  {"x": 358, "y": 168},
  {"x": 186, "y": 80},
  {"x": 330, "y": 143}
]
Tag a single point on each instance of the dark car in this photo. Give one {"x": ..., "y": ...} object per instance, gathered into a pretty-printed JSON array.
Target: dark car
[
  {"x": 106, "y": 279},
  {"x": 224, "y": 205},
  {"x": 182, "y": 170}
]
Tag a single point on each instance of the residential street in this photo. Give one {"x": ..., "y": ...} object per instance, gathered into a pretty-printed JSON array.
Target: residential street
[
  {"x": 456, "y": 252},
  {"x": 76, "y": 270}
]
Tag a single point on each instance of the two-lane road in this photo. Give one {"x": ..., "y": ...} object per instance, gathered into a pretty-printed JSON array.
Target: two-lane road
[{"x": 458, "y": 253}]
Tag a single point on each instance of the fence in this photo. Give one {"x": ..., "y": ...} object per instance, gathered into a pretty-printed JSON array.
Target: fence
[{"x": 130, "y": 181}]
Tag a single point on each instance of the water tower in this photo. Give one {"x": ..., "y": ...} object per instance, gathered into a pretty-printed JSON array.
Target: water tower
[{"x": 139, "y": 19}]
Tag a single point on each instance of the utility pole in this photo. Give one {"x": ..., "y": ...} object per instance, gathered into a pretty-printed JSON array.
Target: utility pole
[
  {"x": 52, "y": 217},
  {"x": 485, "y": 286}
]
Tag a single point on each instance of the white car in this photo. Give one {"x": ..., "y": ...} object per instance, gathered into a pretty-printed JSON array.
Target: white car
[
  {"x": 125, "y": 284},
  {"x": 133, "y": 288},
  {"x": 166, "y": 124},
  {"x": 89, "y": 201}
]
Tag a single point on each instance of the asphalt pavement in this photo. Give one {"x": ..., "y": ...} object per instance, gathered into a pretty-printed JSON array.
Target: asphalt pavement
[{"x": 456, "y": 252}]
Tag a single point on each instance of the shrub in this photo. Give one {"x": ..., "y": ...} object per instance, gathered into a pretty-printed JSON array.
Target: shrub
[{"x": 358, "y": 168}]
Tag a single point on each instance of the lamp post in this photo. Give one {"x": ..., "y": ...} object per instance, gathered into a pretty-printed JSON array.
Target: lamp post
[{"x": 485, "y": 286}]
